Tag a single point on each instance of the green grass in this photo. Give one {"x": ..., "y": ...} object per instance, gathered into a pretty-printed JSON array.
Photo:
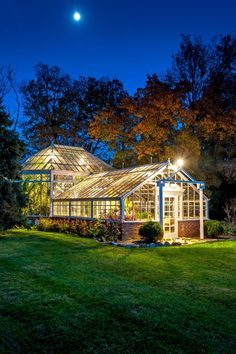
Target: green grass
[{"x": 60, "y": 294}]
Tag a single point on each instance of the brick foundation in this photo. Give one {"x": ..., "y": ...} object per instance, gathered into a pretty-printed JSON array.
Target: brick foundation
[
  {"x": 130, "y": 231},
  {"x": 189, "y": 228},
  {"x": 186, "y": 228}
]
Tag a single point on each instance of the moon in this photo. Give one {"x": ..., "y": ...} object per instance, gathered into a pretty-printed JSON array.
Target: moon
[{"x": 77, "y": 16}]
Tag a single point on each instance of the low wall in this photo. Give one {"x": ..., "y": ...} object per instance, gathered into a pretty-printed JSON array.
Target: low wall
[
  {"x": 189, "y": 228},
  {"x": 186, "y": 228},
  {"x": 130, "y": 230}
]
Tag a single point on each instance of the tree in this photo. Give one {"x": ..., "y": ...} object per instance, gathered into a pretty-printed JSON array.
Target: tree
[
  {"x": 95, "y": 96},
  {"x": 189, "y": 70},
  {"x": 114, "y": 127},
  {"x": 142, "y": 127},
  {"x": 60, "y": 109},
  {"x": 11, "y": 150},
  {"x": 5, "y": 86},
  {"x": 186, "y": 146},
  {"x": 206, "y": 75},
  {"x": 217, "y": 112},
  {"x": 47, "y": 107},
  {"x": 160, "y": 115},
  {"x": 8, "y": 84}
]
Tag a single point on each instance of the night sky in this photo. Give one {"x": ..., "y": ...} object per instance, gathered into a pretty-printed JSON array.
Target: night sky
[{"x": 126, "y": 39}]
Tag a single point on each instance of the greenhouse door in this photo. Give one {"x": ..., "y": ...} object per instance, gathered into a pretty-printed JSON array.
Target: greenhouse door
[{"x": 170, "y": 221}]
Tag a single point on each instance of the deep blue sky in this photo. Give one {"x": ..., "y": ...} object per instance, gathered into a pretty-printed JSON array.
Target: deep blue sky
[{"x": 124, "y": 38}]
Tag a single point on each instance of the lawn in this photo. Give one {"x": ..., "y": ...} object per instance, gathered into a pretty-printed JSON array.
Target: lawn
[{"x": 60, "y": 293}]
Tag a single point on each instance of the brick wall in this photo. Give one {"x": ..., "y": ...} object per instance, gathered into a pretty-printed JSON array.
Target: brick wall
[
  {"x": 130, "y": 231},
  {"x": 186, "y": 228},
  {"x": 189, "y": 228}
]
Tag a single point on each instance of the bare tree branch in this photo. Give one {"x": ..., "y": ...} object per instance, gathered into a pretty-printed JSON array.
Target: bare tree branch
[
  {"x": 4, "y": 83},
  {"x": 15, "y": 90},
  {"x": 8, "y": 84}
]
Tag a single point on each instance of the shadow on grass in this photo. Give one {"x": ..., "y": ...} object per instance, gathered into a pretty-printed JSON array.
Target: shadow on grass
[{"x": 67, "y": 243}]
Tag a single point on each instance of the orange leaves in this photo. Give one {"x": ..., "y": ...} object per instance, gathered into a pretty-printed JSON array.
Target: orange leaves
[
  {"x": 145, "y": 124},
  {"x": 161, "y": 115},
  {"x": 218, "y": 128}
]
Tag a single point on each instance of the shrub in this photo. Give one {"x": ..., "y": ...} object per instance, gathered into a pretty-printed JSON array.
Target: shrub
[
  {"x": 105, "y": 231},
  {"x": 229, "y": 228},
  {"x": 23, "y": 223},
  {"x": 213, "y": 228},
  {"x": 112, "y": 231},
  {"x": 102, "y": 231},
  {"x": 43, "y": 224},
  {"x": 151, "y": 231},
  {"x": 96, "y": 230}
]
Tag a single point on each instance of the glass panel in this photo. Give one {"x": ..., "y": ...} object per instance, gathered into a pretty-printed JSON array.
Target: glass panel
[
  {"x": 169, "y": 215},
  {"x": 37, "y": 190},
  {"x": 61, "y": 208},
  {"x": 191, "y": 204},
  {"x": 61, "y": 183},
  {"x": 141, "y": 204},
  {"x": 106, "y": 209},
  {"x": 61, "y": 157},
  {"x": 115, "y": 184},
  {"x": 81, "y": 209}
]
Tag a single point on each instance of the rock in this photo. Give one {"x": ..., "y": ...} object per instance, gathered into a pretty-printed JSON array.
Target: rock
[
  {"x": 144, "y": 245},
  {"x": 176, "y": 243},
  {"x": 152, "y": 245},
  {"x": 130, "y": 245}
]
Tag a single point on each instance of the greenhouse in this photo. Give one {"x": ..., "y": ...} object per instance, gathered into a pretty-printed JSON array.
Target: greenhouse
[
  {"x": 69, "y": 182},
  {"x": 53, "y": 170}
]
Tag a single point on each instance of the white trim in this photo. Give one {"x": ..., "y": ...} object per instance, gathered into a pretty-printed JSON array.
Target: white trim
[
  {"x": 175, "y": 204},
  {"x": 193, "y": 219},
  {"x": 51, "y": 193},
  {"x": 201, "y": 213}
]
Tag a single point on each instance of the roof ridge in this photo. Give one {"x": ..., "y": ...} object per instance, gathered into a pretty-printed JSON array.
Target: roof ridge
[
  {"x": 64, "y": 157},
  {"x": 68, "y": 146}
]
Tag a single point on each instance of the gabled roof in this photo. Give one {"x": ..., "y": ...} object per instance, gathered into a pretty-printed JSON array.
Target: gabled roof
[
  {"x": 113, "y": 184},
  {"x": 66, "y": 158}
]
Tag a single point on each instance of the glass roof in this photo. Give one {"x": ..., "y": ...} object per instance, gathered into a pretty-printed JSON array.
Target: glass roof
[
  {"x": 113, "y": 184},
  {"x": 68, "y": 158}
]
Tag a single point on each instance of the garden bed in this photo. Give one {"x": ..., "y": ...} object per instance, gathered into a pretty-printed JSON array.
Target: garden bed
[{"x": 167, "y": 243}]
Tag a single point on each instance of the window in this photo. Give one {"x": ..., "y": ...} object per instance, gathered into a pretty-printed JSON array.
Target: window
[
  {"x": 169, "y": 215},
  {"x": 191, "y": 202},
  {"x": 37, "y": 189},
  {"x": 81, "y": 209},
  {"x": 140, "y": 205},
  {"x": 61, "y": 208},
  {"x": 106, "y": 209}
]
